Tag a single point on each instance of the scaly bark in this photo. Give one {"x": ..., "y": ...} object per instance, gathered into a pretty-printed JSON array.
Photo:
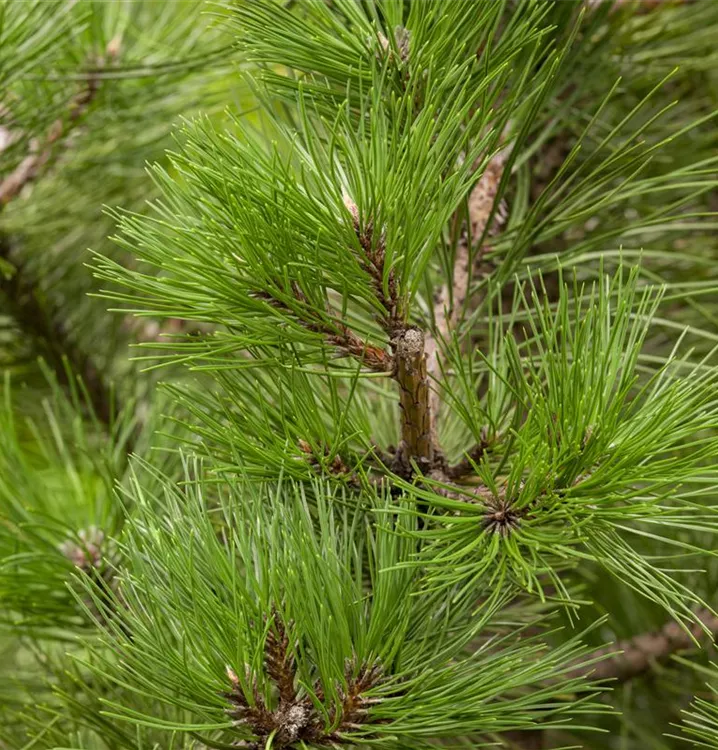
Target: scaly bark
[{"x": 418, "y": 442}]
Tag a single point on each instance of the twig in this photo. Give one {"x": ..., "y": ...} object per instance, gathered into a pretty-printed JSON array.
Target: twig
[
  {"x": 336, "y": 334},
  {"x": 642, "y": 6},
  {"x": 372, "y": 260}
]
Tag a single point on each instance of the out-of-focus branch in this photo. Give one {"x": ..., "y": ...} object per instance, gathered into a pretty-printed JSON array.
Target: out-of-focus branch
[
  {"x": 635, "y": 656},
  {"x": 451, "y": 299},
  {"x": 24, "y": 298},
  {"x": 37, "y": 321},
  {"x": 627, "y": 660},
  {"x": 41, "y": 151}
]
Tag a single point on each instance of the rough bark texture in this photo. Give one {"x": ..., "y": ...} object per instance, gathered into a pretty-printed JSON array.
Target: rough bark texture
[{"x": 417, "y": 434}]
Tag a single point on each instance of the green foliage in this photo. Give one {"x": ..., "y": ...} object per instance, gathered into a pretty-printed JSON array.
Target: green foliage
[
  {"x": 149, "y": 63},
  {"x": 275, "y": 562},
  {"x": 529, "y": 190},
  {"x": 592, "y": 452},
  {"x": 701, "y": 721},
  {"x": 57, "y": 483}
]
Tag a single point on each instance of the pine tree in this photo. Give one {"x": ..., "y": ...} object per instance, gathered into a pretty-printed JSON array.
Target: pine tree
[{"x": 402, "y": 429}]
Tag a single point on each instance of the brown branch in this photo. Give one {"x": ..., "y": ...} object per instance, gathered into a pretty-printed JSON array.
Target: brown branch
[
  {"x": 335, "y": 333},
  {"x": 279, "y": 661},
  {"x": 372, "y": 260},
  {"x": 451, "y": 299},
  {"x": 409, "y": 361},
  {"x": 415, "y": 357},
  {"x": 528, "y": 739},
  {"x": 629, "y": 659},
  {"x": 418, "y": 441},
  {"x": 635, "y": 656},
  {"x": 41, "y": 152},
  {"x": 641, "y": 6}
]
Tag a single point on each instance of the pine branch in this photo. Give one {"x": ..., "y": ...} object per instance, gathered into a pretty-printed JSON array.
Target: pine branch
[
  {"x": 279, "y": 661},
  {"x": 631, "y": 658},
  {"x": 635, "y": 656},
  {"x": 418, "y": 441},
  {"x": 355, "y": 705},
  {"x": 58, "y": 347},
  {"x": 295, "y": 721},
  {"x": 335, "y": 333},
  {"x": 373, "y": 261},
  {"x": 41, "y": 152},
  {"x": 640, "y": 6},
  {"x": 451, "y": 300}
]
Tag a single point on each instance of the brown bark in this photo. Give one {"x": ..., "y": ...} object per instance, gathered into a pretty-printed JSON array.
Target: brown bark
[
  {"x": 31, "y": 166},
  {"x": 635, "y": 656},
  {"x": 451, "y": 299},
  {"x": 417, "y": 433}
]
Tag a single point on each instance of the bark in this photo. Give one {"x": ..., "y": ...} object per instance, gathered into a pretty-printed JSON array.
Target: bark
[
  {"x": 635, "y": 656},
  {"x": 452, "y": 298},
  {"x": 417, "y": 433}
]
